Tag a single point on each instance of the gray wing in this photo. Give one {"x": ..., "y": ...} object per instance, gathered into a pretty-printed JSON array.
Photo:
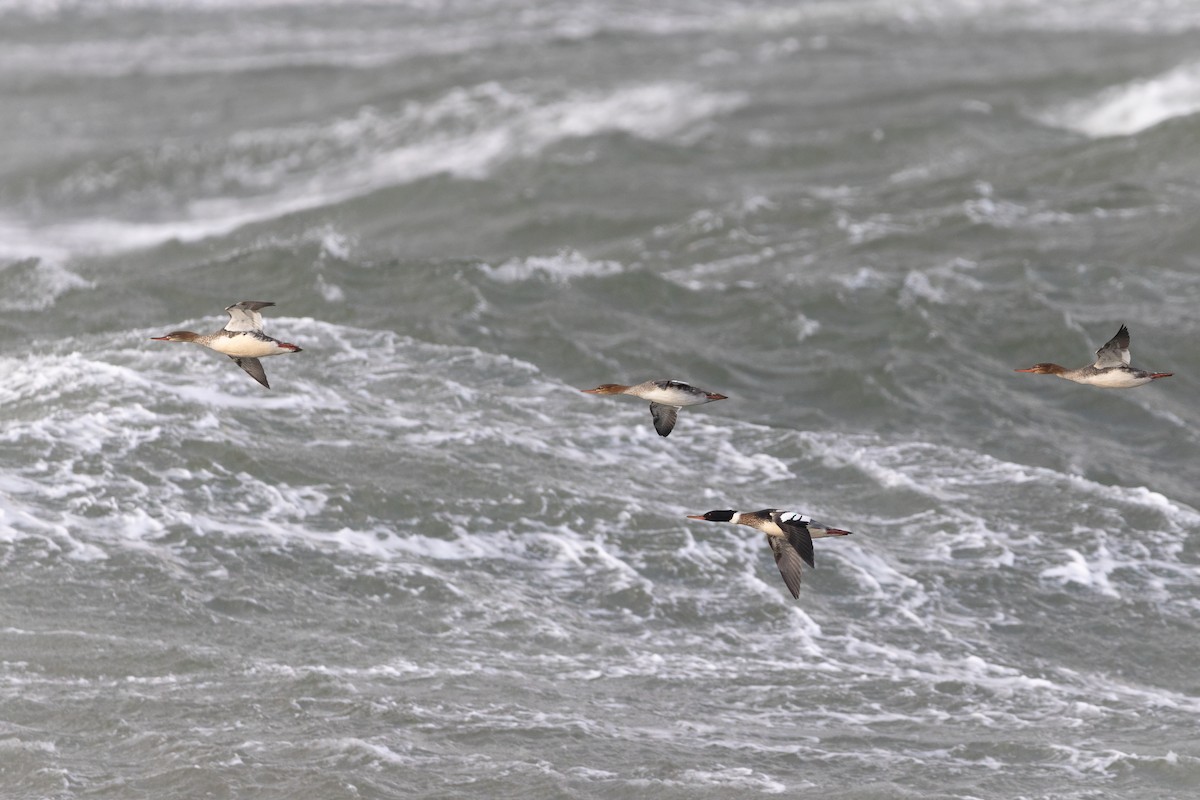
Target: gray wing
[
  {"x": 253, "y": 368},
  {"x": 795, "y": 527},
  {"x": 800, "y": 539},
  {"x": 788, "y": 561},
  {"x": 664, "y": 417},
  {"x": 244, "y": 316},
  {"x": 1115, "y": 352}
]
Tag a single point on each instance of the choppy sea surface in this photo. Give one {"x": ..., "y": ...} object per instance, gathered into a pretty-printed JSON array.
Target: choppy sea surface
[{"x": 425, "y": 565}]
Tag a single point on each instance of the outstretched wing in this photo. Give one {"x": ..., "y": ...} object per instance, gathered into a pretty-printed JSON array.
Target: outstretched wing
[
  {"x": 801, "y": 541},
  {"x": 253, "y": 368},
  {"x": 664, "y": 417},
  {"x": 788, "y": 561},
  {"x": 1115, "y": 351},
  {"x": 795, "y": 527},
  {"x": 244, "y": 316}
]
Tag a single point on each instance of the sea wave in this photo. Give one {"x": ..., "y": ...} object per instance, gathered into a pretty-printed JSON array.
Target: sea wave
[
  {"x": 465, "y": 134},
  {"x": 1133, "y": 107}
]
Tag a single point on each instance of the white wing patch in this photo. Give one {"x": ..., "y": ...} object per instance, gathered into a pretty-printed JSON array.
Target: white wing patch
[
  {"x": 1115, "y": 351},
  {"x": 244, "y": 316},
  {"x": 792, "y": 516}
]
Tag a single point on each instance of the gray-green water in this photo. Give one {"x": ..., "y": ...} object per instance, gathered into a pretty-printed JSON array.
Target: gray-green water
[{"x": 425, "y": 565}]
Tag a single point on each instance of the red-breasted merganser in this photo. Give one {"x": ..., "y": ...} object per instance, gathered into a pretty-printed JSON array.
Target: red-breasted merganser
[
  {"x": 666, "y": 398},
  {"x": 789, "y": 534},
  {"x": 241, "y": 339},
  {"x": 1111, "y": 370}
]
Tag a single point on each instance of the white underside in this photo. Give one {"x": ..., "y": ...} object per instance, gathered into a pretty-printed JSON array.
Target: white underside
[
  {"x": 1115, "y": 380},
  {"x": 246, "y": 347},
  {"x": 672, "y": 397}
]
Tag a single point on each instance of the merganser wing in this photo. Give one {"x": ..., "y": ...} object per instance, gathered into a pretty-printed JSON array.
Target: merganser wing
[
  {"x": 800, "y": 538},
  {"x": 795, "y": 527},
  {"x": 674, "y": 385},
  {"x": 253, "y": 367},
  {"x": 244, "y": 316},
  {"x": 664, "y": 417},
  {"x": 1115, "y": 352},
  {"x": 788, "y": 561}
]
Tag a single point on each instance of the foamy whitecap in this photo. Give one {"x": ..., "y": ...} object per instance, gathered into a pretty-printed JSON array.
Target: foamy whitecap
[
  {"x": 35, "y": 284},
  {"x": 466, "y": 134},
  {"x": 733, "y": 778},
  {"x": 941, "y": 285},
  {"x": 946, "y": 472},
  {"x": 1132, "y": 107},
  {"x": 604, "y": 457},
  {"x": 561, "y": 268},
  {"x": 1079, "y": 569},
  {"x": 13, "y": 743},
  {"x": 1083, "y": 762}
]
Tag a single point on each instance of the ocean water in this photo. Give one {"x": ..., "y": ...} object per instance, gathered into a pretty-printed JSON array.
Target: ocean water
[{"x": 425, "y": 565}]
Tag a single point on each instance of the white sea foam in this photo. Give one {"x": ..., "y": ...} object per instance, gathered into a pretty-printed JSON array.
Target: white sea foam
[
  {"x": 591, "y": 510},
  {"x": 126, "y": 423},
  {"x": 460, "y": 414},
  {"x": 974, "y": 525},
  {"x": 375, "y": 753},
  {"x": 1132, "y": 107},
  {"x": 496, "y": 126},
  {"x": 1108, "y": 762},
  {"x": 20, "y": 242},
  {"x": 36, "y": 283},
  {"x": 238, "y": 49},
  {"x": 1090, "y": 573},
  {"x": 12, "y": 743},
  {"x": 947, "y": 473},
  {"x": 733, "y": 778},
  {"x": 561, "y": 268}
]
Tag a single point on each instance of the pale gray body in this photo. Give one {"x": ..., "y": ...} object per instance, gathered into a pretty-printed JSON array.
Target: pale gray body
[
  {"x": 666, "y": 398},
  {"x": 1110, "y": 371},
  {"x": 242, "y": 339}
]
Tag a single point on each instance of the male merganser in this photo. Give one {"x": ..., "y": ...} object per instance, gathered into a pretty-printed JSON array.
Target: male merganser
[
  {"x": 666, "y": 398},
  {"x": 1111, "y": 370},
  {"x": 789, "y": 534},
  {"x": 241, "y": 339}
]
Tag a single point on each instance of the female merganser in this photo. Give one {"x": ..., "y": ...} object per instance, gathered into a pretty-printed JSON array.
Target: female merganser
[
  {"x": 666, "y": 398},
  {"x": 241, "y": 339},
  {"x": 1111, "y": 370},
  {"x": 789, "y": 534}
]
